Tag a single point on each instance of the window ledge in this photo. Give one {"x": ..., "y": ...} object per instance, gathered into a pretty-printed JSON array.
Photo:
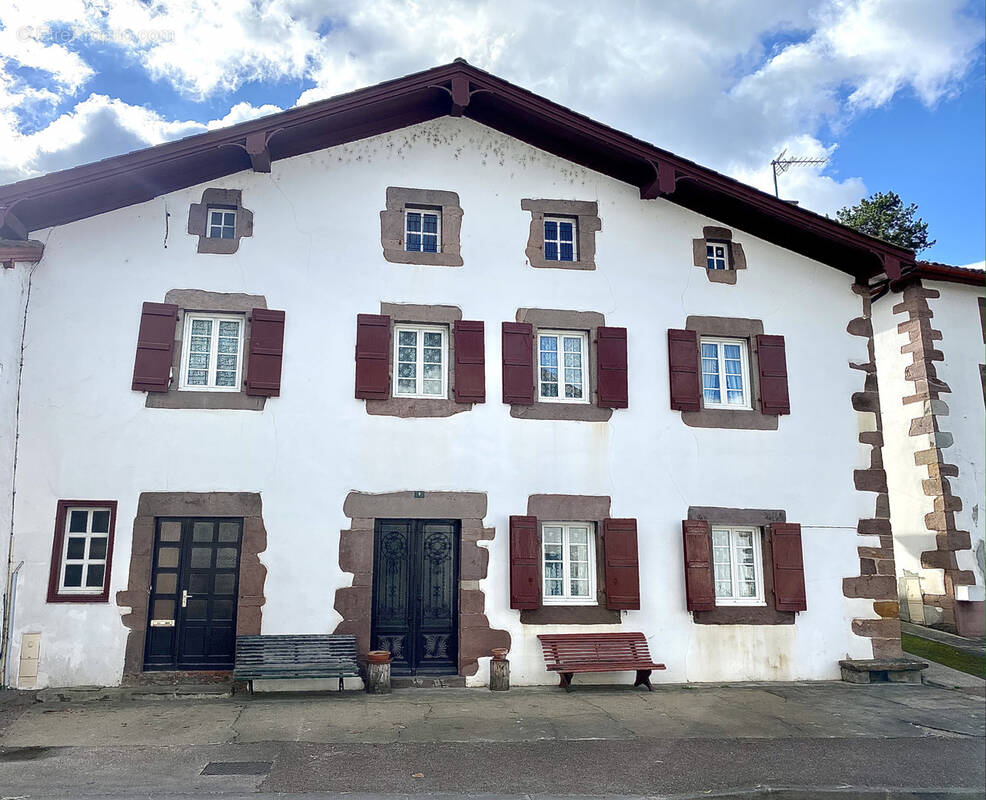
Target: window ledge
[
  {"x": 410, "y": 407},
  {"x": 210, "y": 400},
  {"x": 570, "y": 615},
  {"x": 577, "y": 412}
]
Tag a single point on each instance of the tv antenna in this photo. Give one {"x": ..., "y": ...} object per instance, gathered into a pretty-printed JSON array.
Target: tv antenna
[{"x": 781, "y": 165}]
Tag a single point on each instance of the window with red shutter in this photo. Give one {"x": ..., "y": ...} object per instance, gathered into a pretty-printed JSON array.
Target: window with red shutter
[
  {"x": 518, "y": 363},
  {"x": 525, "y": 563},
  {"x": 772, "y": 366},
  {"x": 372, "y": 356},
  {"x": 266, "y": 353},
  {"x": 683, "y": 364},
  {"x": 470, "y": 361},
  {"x": 611, "y": 363},
  {"x": 155, "y": 347},
  {"x": 700, "y": 593},
  {"x": 788, "y": 567},
  {"x": 622, "y": 566}
]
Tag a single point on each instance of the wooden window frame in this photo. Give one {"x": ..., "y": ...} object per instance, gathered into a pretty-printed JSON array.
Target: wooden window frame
[
  {"x": 57, "y": 594},
  {"x": 210, "y": 226},
  {"x": 424, "y": 211},
  {"x": 186, "y": 344},
  {"x": 712, "y": 259},
  {"x": 574, "y": 222},
  {"x": 419, "y": 330},
  {"x": 566, "y": 599},
  {"x": 587, "y": 388},
  {"x": 744, "y": 345},
  {"x": 757, "y": 546}
]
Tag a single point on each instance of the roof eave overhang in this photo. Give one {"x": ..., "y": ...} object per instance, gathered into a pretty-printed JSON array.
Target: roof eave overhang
[{"x": 456, "y": 89}]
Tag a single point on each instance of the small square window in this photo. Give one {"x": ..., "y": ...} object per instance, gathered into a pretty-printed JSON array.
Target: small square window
[
  {"x": 222, "y": 223},
  {"x": 560, "y": 239},
  {"x": 422, "y": 230},
  {"x": 212, "y": 348},
  {"x": 725, "y": 373},
  {"x": 716, "y": 255},
  {"x": 737, "y": 561},
  {"x": 562, "y": 368},
  {"x": 420, "y": 361},
  {"x": 568, "y": 563},
  {"x": 82, "y": 550}
]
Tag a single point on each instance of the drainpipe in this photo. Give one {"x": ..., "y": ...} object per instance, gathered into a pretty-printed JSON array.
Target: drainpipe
[{"x": 6, "y": 627}]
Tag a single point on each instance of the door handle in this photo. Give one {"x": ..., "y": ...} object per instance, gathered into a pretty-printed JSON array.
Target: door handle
[{"x": 184, "y": 597}]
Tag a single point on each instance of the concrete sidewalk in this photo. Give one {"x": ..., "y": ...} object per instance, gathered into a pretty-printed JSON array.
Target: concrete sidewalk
[{"x": 596, "y": 740}]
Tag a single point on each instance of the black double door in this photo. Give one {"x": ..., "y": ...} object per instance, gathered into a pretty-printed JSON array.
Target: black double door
[
  {"x": 194, "y": 582},
  {"x": 415, "y": 595}
]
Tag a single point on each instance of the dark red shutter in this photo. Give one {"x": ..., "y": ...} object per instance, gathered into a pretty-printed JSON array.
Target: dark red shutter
[
  {"x": 525, "y": 563},
  {"x": 611, "y": 363},
  {"x": 372, "y": 356},
  {"x": 773, "y": 375},
  {"x": 518, "y": 363},
  {"x": 266, "y": 353},
  {"x": 700, "y": 588},
  {"x": 622, "y": 567},
  {"x": 470, "y": 362},
  {"x": 686, "y": 386},
  {"x": 155, "y": 347},
  {"x": 789, "y": 567}
]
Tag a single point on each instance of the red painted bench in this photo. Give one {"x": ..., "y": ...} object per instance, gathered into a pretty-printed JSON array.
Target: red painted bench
[{"x": 568, "y": 653}]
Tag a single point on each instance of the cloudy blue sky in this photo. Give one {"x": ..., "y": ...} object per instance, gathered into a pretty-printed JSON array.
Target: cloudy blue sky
[{"x": 890, "y": 91}]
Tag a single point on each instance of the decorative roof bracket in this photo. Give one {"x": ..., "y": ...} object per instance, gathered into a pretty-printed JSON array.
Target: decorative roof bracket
[
  {"x": 663, "y": 183},
  {"x": 256, "y": 147}
]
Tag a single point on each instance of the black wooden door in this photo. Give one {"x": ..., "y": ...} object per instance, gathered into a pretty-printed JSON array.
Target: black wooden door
[
  {"x": 194, "y": 582},
  {"x": 415, "y": 595}
]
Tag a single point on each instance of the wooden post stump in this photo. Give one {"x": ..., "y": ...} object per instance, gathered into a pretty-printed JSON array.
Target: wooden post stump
[
  {"x": 378, "y": 678},
  {"x": 499, "y": 675}
]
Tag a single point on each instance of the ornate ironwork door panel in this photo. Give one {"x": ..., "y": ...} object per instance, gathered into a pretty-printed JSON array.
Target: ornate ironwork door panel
[
  {"x": 194, "y": 584},
  {"x": 415, "y": 594}
]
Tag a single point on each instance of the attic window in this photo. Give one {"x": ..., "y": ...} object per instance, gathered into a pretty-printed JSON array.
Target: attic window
[
  {"x": 422, "y": 230},
  {"x": 222, "y": 223},
  {"x": 716, "y": 255}
]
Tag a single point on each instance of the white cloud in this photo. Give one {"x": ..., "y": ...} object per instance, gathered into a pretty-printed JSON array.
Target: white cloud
[{"x": 700, "y": 79}]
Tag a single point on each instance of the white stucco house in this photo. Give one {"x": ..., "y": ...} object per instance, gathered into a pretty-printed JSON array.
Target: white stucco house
[
  {"x": 929, "y": 334},
  {"x": 445, "y": 365}
]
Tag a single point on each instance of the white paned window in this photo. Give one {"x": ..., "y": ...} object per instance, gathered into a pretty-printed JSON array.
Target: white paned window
[
  {"x": 222, "y": 223},
  {"x": 562, "y": 370},
  {"x": 568, "y": 557},
  {"x": 725, "y": 373},
  {"x": 84, "y": 550},
  {"x": 738, "y": 563},
  {"x": 422, "y": 230},
  {"x": 420, "y": 361},
  {"x": 560, "y": 239},
  {"x": 212, "y": 350},
  {"x": 715, "y": 256}
]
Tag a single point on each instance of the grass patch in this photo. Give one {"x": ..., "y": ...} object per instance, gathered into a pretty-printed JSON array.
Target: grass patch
[{"x": 944, "y": 654}]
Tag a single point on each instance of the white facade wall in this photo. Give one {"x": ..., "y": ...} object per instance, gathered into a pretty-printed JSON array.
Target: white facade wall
[
  {"x": 316, "y": 254},
  {"x": 957, "y": 317}
]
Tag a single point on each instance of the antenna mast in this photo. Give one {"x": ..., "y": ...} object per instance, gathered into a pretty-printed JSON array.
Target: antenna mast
[{"x": 781, "y": 165}]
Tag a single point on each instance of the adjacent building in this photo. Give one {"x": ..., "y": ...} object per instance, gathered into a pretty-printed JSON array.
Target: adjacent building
[{"x": 445, "y": 365}]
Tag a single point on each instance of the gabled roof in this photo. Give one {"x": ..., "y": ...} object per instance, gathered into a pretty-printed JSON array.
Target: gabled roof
[
  {"x": 458, "y": 89},
  {"x": 936, "y": 271}
]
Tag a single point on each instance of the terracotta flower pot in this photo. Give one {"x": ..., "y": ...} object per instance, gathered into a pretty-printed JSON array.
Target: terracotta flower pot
[
  {"x": 378, "y": 656},
  {"x": 499, "y": 653}
]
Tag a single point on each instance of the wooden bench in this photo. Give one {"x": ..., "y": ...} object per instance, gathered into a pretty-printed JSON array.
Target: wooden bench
[
  {"x": 568, "y": 653},
  {"x": 317, "y": 655}
]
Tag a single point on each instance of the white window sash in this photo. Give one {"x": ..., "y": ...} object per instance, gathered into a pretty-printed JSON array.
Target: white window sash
[
  {"x": 558, "y": 240},
  {"x": 419, "y": 355},
  {"x": 560, "y": 336},
  {"x": 433, "y": 212},
  {"x": 209, "y": 224},
  {"x": 715, "y": 259},
  {"x": 210, "y": 385},
  {"x": 746, "y": 405},
  {"x": 85, "y": 561},
  {"x": 566, "y": 598},
  {"x": 734, "y": 565}
]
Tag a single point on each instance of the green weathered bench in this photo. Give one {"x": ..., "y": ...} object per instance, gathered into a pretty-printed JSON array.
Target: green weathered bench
[{"x": 315, "y": 655}]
